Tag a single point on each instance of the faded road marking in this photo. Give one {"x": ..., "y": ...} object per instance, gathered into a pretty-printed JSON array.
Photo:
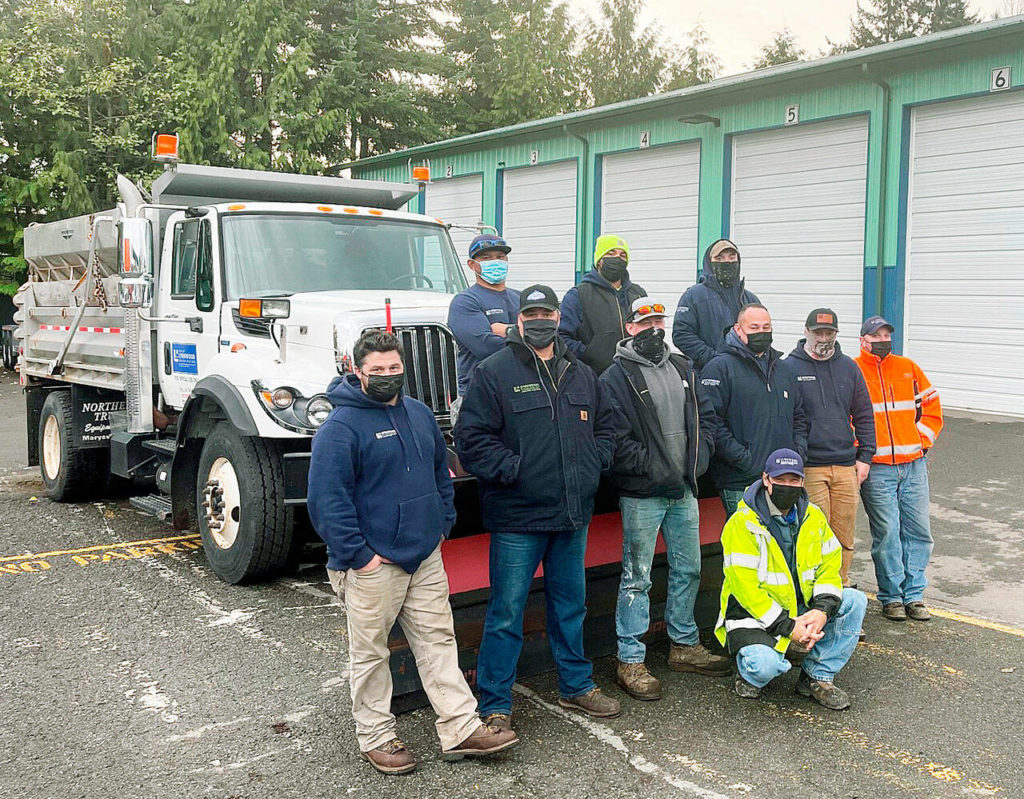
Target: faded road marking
[
  {"x": 33, "y": 563},
  {"x": 942, "y": 613},
  {"x": 607, "y": 736}
]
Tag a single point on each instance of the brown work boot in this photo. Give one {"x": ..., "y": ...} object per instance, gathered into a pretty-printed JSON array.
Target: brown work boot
[
  {"x": 917, "y": 611},
  {"x": 391, "y": 758},
  {"x": 824, "y": 693},
  {"x": 683, "y": 657},
  {"x": 500, "y": 721},
  {"x": 894, "y": 611},
  {"x": 638, "y": 682},
  {"x": 485, "y": 740},
  {"x": 594, "y": 704}
]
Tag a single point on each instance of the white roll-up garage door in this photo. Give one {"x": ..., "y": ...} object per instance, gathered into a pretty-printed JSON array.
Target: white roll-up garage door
[
  {"x": 457, "y": 201},
  {"x": 539, "y": 223},
  {"x": 964, "y": 320},
  {"x": 797, "y": 215},
  {"x": 650, "y": 198}
]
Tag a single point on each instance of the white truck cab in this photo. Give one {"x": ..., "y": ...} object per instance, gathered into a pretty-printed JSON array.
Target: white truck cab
[{"x": 189, "y": 338}]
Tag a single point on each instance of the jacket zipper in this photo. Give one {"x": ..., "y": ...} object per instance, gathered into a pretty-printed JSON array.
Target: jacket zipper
[{"x": 885, "y": 408}]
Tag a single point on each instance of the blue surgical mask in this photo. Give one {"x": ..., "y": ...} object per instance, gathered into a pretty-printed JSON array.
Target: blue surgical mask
[{"x": 493, "y": 272}]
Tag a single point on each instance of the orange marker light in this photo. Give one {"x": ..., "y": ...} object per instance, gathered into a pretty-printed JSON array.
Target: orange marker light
[
  {"x": 376, "y": 212},
  {"x": 238, "y": 347},
  {"x": 236, "y": 207},
  {"x": 324, "y": 208},
  {"x": 165, "y": 147},
  {"x": 421, "y": 173},
  {"x": 350, "y": 210},
  {"x": 127, "y": 263},
  {"x": 251, "y": 309}
]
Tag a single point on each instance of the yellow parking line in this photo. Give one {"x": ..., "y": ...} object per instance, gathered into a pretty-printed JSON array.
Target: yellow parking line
[
  {"x": 55, "y": 552},
  {"x": 973, "y": 620}
]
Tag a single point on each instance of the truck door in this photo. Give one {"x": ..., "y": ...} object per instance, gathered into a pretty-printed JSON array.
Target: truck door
[{"x": 189, "y": 290}]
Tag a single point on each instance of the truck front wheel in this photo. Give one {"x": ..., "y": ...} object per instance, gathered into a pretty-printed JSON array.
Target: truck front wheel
[
  {"x": 245, "y": 526},
  {"x": 69, "y": 472}
]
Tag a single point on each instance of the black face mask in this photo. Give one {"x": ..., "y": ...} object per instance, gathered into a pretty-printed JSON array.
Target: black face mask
[
  {"x": 759, "y": 342},
  {"x": 383, "y": 388},
  {"x": 650, "y": 343},
  {"x": 785, "y": 497},
  {"x": 539, "y": 333},
  {"x": 881, "y": 348},
  {"x": 727, "y": 273},
  {"x": 613, "y": 268}
]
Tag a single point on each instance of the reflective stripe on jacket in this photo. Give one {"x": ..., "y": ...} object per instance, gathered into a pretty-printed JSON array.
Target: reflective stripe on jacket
[
  {"x": 908, "y": 414},
  {"x": 759, "y": 599}
]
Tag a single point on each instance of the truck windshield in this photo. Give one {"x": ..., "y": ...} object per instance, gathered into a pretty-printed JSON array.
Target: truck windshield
[{"x": 268, "y": 254}]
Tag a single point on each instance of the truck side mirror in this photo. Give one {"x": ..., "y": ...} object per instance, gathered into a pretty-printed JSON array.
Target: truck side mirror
[
  {"x": 135, "y": 292},
  {"x": 135, "y": 247}
]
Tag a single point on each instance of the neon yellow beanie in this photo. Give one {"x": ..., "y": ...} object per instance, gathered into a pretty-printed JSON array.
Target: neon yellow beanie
[{"x": 609, "y": 241}]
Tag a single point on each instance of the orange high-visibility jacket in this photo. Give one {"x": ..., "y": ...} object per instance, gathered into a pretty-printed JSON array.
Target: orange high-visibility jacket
[{"x": 908, "y": 414}]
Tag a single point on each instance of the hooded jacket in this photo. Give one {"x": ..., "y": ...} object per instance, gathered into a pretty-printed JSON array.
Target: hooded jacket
[
  {"x": 704, "y": 313},
  {"x": 834, "y": 395},
  {"x": 756, "y": 409},
  {"x": 594, "y": 318},
  {"x": 537, "y": 436},
  {"x": 379, "y": 480},
  {"x": 908, "y": 413},
  {"x": 643, "y": 465},
  {"x": 760, "y": 599}
]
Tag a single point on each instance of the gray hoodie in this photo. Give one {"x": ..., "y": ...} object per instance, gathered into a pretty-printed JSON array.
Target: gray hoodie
[{"x": 669, "y": 402}]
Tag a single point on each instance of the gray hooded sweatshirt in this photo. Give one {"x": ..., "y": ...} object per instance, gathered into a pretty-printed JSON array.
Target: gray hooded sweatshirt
[{"x": 669, "y": 400}]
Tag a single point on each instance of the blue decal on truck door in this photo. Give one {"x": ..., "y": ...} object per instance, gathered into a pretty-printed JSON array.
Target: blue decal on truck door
[{"x": 183, "y": 359}]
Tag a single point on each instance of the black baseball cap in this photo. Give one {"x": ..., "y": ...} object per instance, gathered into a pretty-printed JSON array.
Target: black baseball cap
[
  {"x": 538, "y": 296},
  {"x": 487, "y": 243},
  {"x": 821, "y": 319},
  {"x": 873, "y": 323}
]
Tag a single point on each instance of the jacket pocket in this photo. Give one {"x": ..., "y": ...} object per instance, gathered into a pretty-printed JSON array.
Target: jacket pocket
[{"x": 420, "y": 526}]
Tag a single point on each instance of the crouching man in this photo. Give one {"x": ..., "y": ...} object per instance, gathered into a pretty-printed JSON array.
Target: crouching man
[
  {"x": 782, "y": 599},
  {"x": 381, "y": 497}
]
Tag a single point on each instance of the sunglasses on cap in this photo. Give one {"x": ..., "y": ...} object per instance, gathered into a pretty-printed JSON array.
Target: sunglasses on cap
[{"x": 644, "y": 310}]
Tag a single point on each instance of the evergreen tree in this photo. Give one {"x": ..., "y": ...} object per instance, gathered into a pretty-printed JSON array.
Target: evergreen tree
[
  {"x": 620, "y": 59},
  {"x": 782, "y": 49},
  {"x": 698, "y": 63}
]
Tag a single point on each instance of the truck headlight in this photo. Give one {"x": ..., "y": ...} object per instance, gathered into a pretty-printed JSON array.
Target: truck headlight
[
  {"x": 318, "y": 409},
  {"x": 280, "y": 398}
]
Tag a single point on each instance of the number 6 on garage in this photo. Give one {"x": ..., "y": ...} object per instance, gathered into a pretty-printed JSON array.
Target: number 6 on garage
[{"x": 1000, "y": 79}]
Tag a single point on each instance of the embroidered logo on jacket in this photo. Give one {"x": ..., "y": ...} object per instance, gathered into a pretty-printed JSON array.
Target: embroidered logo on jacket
[
  {"x": 386, "y": 433},
  {"x": 526, "y": 388},
  {"x": 806, "y": 377},
  {"x": 710, "y": 381}
]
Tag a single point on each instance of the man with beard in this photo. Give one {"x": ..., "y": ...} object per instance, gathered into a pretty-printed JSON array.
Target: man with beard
[
  {"x": 706, "y": 310},
  {"x": 536, "y": 430}
]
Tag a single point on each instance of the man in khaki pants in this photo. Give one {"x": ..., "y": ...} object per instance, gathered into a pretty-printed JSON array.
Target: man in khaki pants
[
  {"x": 841, "y": 441},
  {"x": 381, "y": 497}
]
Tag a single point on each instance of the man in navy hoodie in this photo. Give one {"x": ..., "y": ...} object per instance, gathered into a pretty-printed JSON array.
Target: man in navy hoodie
[
  {"x": 755, "y": 402},
  {"x": 381, "y": 497},
  {"x": 841, "y": 442},
  {"x": 709, "y": 308},
  {"x": 537, "y": 431},
  {"x": 593, "y": 314}
]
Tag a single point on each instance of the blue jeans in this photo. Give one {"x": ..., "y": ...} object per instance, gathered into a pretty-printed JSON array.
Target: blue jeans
[
  {"x": 896, "y": 501},
  {"x": 730, "y": 499},
  {"x": 680, "y": 525},
  {"x": 759, "y": 664},
  {"x": 513, "y": 562}
]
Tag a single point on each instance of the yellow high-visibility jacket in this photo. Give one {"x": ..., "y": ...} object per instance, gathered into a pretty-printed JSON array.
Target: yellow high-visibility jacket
[{"x": 759, "y": 599}]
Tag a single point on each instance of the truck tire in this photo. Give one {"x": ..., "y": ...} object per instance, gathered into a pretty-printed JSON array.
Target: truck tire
[
  {"x": 245, "y": 526},
  {"x": 69, "y": 472}
]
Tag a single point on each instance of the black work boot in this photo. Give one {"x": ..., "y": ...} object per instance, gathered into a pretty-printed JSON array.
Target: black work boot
[{"x": 824, "y": 693}]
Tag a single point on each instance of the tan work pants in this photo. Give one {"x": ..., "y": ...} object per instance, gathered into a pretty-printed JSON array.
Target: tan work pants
[
  {"x": 834, "y": 490},
  {"x": 419, "y": 602}
]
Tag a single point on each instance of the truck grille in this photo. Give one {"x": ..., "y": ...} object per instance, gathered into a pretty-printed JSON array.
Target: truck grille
[
  {"x": 429, "y": 352},
  {"x": 250, "y": 327}
]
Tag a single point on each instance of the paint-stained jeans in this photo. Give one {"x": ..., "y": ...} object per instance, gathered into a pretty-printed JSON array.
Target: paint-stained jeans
[
  {"x": 896, "y": 501},
  {"x": 679, "y": 523},
  {"x": 759, "y": 664},
  {"x": 419, "y": 602},
  {"x": 834, "y": 490},
  {"x": 513, "y": 562}
]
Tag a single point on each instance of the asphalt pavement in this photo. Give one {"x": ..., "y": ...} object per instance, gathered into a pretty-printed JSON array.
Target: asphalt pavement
[{"x": 128, "y": 670}]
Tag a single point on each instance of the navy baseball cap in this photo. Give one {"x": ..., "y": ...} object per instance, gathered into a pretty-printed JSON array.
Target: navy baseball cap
[
  {"x": 486, "y": 242},
  {"x": 873, "y": 324},
  {"x": 784, "y": 461}
]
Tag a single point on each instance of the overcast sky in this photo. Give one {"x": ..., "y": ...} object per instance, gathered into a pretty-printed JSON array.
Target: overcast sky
[{"x": 738, "y": 28}]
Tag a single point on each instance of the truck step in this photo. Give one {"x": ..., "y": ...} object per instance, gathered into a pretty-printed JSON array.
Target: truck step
[
  {"x": 154, "y": 504},
  {"x": 162, "y": 446}
]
